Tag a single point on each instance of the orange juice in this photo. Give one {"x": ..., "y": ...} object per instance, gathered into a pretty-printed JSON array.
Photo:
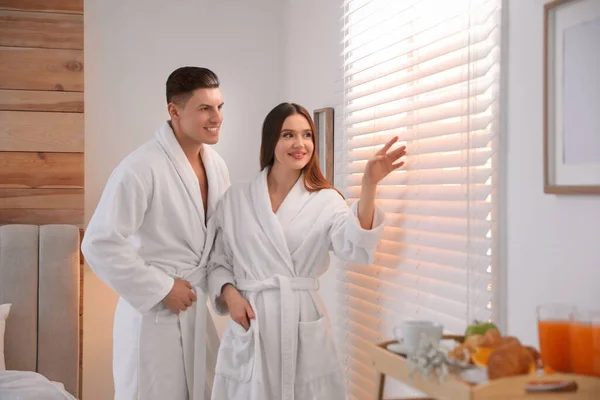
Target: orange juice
[
  {"x": 582, "y": 360},
  {"x": 596, "y": 349},
  {"x": 554, "y": 344}
]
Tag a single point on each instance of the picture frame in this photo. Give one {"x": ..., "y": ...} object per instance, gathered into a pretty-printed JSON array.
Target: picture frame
[
  {"x": 324, "y": 119},
  {"x": 571, "y": 87}
]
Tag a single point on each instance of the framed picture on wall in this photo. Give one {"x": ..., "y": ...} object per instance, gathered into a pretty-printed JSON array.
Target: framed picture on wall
[
  {"x": 572, "y": 97},
  {"x": 323, "y": 118}
]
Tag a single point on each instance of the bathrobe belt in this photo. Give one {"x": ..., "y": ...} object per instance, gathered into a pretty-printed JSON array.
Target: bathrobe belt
[
  {"x": 290, "y": 316},
  {"x": 193, "y": 334}
]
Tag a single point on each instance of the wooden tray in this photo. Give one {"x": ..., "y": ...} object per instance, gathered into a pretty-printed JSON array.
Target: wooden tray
[{"x": 455, "y": 388}]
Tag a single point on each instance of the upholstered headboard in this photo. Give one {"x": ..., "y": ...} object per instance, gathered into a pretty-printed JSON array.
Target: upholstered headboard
[{"x": 39, "y": 275}]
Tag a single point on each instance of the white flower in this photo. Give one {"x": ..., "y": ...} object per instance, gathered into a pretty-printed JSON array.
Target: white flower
[{"x": 430, "y": 359}]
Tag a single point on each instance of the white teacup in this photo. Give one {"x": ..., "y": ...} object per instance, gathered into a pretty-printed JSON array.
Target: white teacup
[{"x": 411, "y": 332}]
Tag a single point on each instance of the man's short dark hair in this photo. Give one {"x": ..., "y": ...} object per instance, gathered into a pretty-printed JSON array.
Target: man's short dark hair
[{"x": 182, "y": 83}]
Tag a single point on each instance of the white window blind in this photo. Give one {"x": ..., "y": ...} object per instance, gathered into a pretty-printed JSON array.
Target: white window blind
[{"x": 429, "y": 73}]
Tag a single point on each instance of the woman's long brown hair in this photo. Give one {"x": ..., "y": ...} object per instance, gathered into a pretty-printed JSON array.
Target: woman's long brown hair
[{"x": 271, "y": 131}]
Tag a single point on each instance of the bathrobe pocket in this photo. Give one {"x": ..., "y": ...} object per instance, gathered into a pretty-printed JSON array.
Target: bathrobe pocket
[{"x": 236, "y": 354}]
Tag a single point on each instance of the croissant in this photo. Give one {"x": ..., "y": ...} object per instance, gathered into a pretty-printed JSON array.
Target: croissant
[
  {"x": 507, "y": 340},
  {"x": 534, "y": 353},
  {"x": 472, "y": 342},
  {"x": 491, "y": 338},
  {"x": 508, "y": 360}
]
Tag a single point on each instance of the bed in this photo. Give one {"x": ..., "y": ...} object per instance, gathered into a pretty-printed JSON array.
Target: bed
[{"x": 40, "y": 279}]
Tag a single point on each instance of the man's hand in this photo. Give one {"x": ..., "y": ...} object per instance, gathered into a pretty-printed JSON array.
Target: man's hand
[
  {"x": 239, "y": 308},
  {"x": 180, "y": 297}
]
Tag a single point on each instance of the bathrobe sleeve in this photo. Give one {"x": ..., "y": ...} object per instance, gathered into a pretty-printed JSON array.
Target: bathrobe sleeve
[
  {"x": 349, "y": 241},
  {"x": 220, "y": 264},
  {"x": 110, "y": 254}
]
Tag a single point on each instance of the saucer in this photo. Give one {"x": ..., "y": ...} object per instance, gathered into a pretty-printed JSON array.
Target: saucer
[
  {"x": 475, "y": 375},
  {"x": 398, "y": 348}
]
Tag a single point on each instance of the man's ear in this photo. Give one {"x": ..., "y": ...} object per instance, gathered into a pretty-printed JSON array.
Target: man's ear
[{"x": 173, "y": 111}]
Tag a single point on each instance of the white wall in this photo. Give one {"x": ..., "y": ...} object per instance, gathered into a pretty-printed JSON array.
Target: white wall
[
  {"x": 552, "y": 241},
  {"x": 130, "y": 49}
]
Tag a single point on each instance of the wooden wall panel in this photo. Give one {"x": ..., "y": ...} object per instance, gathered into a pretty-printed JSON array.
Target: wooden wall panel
[
  {"x": 41, "y": 131},
  {"x": 41, "y": 69},
  {"x": 59, "y": 6},
  {"x": 41, "y": 199},
  {"x": 20, "y": 170},
  {"x": 30, "y": 100},
  {"x": 33, "y": 29},
  {"x": 41, "y": 217}
]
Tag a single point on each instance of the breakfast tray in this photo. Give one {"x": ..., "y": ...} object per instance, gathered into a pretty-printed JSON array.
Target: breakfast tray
[{"x": 453, "y": 387}]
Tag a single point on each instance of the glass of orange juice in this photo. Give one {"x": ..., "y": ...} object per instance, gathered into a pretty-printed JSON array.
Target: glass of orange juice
[
  {"x": 554, "y": 334},
  {"x": 596, "y": 343},
  {"x": 581, "y": 338}
]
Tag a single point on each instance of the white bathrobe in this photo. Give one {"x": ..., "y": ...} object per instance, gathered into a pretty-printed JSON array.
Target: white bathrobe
[
  {"x": 149, "y": 228},
  {"x": 274, "y": 259}
]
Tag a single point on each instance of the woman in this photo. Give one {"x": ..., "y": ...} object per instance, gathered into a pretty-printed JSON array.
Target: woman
[{"x": 273, "y": 237}]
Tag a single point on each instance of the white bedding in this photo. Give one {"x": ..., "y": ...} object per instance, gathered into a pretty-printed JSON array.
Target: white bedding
[{"x": 25, "y": 385}]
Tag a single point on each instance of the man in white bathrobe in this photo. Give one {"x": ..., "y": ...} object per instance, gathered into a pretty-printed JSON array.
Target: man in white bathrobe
[{"x": 146, "y": 241}]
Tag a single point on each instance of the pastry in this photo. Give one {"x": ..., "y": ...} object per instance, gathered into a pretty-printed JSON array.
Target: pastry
[{"x": 508, "y": 360}]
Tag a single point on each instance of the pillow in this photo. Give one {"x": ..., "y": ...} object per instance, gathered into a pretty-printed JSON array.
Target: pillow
[{"x": 4, "y": 309}]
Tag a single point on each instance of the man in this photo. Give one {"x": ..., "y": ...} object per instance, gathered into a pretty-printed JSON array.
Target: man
[{"x": 146, "y": 240}]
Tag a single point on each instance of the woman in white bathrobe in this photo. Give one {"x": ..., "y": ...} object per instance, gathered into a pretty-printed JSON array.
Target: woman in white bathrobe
[{"x": 273, "y": 237}]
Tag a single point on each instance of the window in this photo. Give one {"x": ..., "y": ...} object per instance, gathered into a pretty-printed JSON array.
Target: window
[{"x": 429, "y": 73}]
